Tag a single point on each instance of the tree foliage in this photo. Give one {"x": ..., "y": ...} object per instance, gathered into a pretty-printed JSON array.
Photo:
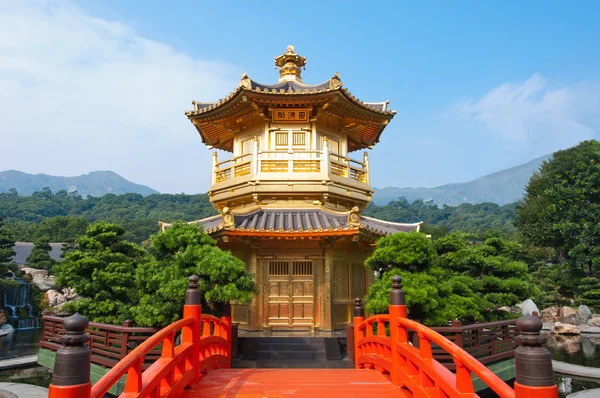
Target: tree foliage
[
  {"x": 40, "y": 255},
  {"x": 102, "y": 269},
  {"x": 179, "y": 252},
  {"x": 63, "y": 216},
  {"x": 6, "y": 253},
  {"x": 450, "y": 277},
  {"x": 561, "y": 210}
]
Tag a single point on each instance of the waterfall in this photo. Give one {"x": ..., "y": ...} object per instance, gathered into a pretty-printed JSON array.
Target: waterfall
[{"x": 16, "y": 301}]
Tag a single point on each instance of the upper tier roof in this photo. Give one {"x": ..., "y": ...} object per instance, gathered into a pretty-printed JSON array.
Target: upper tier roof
[{"x": 250, "y": 101}]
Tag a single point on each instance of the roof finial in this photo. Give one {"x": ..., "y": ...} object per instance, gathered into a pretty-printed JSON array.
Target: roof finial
[{"x": 290, "y": 64}]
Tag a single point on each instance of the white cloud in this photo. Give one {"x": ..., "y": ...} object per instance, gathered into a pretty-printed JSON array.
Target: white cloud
[
  {"x": 534, "y": 113},
  {"x": 79, "y": 93}
]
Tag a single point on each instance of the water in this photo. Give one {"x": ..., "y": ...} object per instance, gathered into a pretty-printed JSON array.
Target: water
[
  {"x": 18, "y": 307},
  {"x": 21, "y": 343},
  {"x": 580, "y": 350}
]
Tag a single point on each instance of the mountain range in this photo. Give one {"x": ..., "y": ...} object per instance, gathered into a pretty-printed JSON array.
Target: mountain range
[
  {"x": 96, "y": 183},
  {"x": 506, "y": 186}
]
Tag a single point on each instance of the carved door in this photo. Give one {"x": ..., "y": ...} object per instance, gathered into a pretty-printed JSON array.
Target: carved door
[{"x": 291, "y": 293}]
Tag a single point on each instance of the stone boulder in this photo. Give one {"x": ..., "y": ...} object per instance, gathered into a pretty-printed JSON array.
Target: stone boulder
[
  {"x": 568, "y": 315},
  {"x": 584, "y": 314},
  {"x": 54, "y": 298},
  {"x": 6, "y": 329},
  {"x": 550, "y": 314},
  {"x": 588, "y": 347},
  {"x": 565, "y": 328},
  {"x": 2, "y": 318},
  {"x": 70, "y": 294},
  {"x": 594, "y": 321},
  {"x": 529, "y": 307}
]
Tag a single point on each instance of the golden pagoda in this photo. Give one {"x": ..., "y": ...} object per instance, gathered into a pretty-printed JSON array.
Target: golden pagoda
[{"x": 290, "y": 197}]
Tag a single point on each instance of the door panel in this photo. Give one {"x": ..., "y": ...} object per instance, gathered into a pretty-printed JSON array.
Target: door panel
[{"x": 291, "y": 293}]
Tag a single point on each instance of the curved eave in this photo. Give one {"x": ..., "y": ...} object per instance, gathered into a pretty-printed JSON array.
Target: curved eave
[{"x": 302, "y": 90}]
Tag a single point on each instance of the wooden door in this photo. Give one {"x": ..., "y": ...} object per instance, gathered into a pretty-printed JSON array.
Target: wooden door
[
  {"x": 291, "y": 293},
  {"x": 303, "y": 296}
]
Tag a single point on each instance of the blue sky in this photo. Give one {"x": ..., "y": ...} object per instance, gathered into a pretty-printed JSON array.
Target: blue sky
[{"x": 479, "y": 86}]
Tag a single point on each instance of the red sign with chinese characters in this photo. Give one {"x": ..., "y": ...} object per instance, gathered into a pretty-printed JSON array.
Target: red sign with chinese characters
[{"x": 290, "y": 115}]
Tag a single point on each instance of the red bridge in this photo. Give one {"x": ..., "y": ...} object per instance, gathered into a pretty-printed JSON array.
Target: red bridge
[{"x": 386, "y": 363}]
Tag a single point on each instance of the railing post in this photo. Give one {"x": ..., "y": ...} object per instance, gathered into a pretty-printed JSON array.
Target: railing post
[
  {"x": 71, "y": 378},
  {"x": 366, "y": 168},
  {"x": 533, "y": 363},
  {"x": 226, "y": 325},
  {"x": 359, "y": 317},
  {"x": 325, "y": 160},
  {"x": 397, "y": 310},
  {"x": 254, "y": 164},
  {"x": 458, "y": 336},
  {"x": 193, "y": 309},
  {"x": 213, "y": 177}
]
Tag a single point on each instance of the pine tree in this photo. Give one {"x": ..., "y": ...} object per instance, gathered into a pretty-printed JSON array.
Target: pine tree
[
  {"x": 6, "y": 254},
  {"x": 40, "y": 255}
]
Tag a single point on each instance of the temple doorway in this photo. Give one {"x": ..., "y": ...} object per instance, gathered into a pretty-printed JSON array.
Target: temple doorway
[{"x": 291, "y": 293}]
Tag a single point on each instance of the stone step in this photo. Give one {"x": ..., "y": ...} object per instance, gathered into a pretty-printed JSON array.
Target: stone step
[
  {"x": 292, "y": 347},
  {"x": 291, "y": 355}
]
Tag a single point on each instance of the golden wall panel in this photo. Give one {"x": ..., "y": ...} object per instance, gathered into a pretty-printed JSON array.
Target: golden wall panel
[{"x": 341, "y": 275}]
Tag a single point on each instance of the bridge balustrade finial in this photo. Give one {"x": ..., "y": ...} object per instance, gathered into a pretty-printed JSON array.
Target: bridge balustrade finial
[
  {"x": 359, "y": 312},
  {"x": 397, "y": 294},
  {"x": 533, "y": 363},
  {"x": 72, "y": 363},
  {"x": 192, "y": 294}
]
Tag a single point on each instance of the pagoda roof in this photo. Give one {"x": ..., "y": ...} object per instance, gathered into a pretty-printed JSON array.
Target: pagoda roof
[
  {"x": 251, "y": 101},
  {"x": 302, "y": 221}
]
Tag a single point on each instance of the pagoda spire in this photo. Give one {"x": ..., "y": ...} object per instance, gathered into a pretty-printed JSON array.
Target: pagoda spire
[{"x": 290, "y": 65}]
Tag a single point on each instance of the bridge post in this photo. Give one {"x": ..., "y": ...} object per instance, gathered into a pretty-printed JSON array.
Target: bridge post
[
  {"x": 71, "y": 378},
  {"x": 226, "y": 325},
  {"x": 397, "y": 309},
  {"x": 533, "y": 363},
  {"x": 193, "y": 309},
  {"x": 359, "y": 317}
]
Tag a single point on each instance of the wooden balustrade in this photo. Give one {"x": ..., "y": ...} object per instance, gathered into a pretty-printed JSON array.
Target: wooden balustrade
[
  {"x": 290, "y": 161},
  {"x": 488, "y": 342},
  {"x": 382, "y": 343},
  {"x": 108, "y": 343}
]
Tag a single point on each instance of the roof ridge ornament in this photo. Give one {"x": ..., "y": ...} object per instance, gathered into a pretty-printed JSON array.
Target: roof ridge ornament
[
  {"x": 245, "y": 82},
  {"x": 335, "y": 82},
  {"x": 290, "y": 64}
]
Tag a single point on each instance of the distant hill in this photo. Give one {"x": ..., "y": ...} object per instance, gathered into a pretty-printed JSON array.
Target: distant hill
[
  {"x": 96, "y": 183},
  {"x": 503, "y": 187}
]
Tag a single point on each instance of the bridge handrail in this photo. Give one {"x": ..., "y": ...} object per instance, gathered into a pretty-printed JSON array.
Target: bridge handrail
[
  {"x": 132, "y": 363},
  {"x": 465, "y": 363},
  {"x": 205, "y": 344},
  {"x": 416, "y": 370}
]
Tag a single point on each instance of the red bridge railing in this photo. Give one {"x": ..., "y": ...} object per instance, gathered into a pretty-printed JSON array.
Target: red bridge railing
[
  {"x": 381, "y": 342},
  {"x": 205, "y": 344}
]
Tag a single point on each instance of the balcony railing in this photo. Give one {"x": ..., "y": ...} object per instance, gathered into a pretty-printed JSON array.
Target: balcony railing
[{"x": 262, "y": 163}]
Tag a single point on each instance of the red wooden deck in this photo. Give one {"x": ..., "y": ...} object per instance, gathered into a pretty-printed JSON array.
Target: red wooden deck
[{"x": 257, "y": 383}]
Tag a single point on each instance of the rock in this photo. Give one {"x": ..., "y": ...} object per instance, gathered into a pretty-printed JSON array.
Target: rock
[
  {"x": 594, "y": 321},
  {"x": 70, "y": 294},
  {"x": 58, "y": 310},
  {"x": 589, "y": 329},
  {"x": 565, "y": 328},
  {"x": 2, "y": 318},
  {"x": 588, "y": 347},
  {"x": 550, "y": 314},
  {"x": 6, "y": 329},
  {"x": 529, "y": 307},
  {"x": 565, "y": 386},
  {"x": 584, "y": 314},
  {"x": 54, "y": 298},
  {"x": 568, "y": 315},
  {"x": 572, "y": 345}
]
